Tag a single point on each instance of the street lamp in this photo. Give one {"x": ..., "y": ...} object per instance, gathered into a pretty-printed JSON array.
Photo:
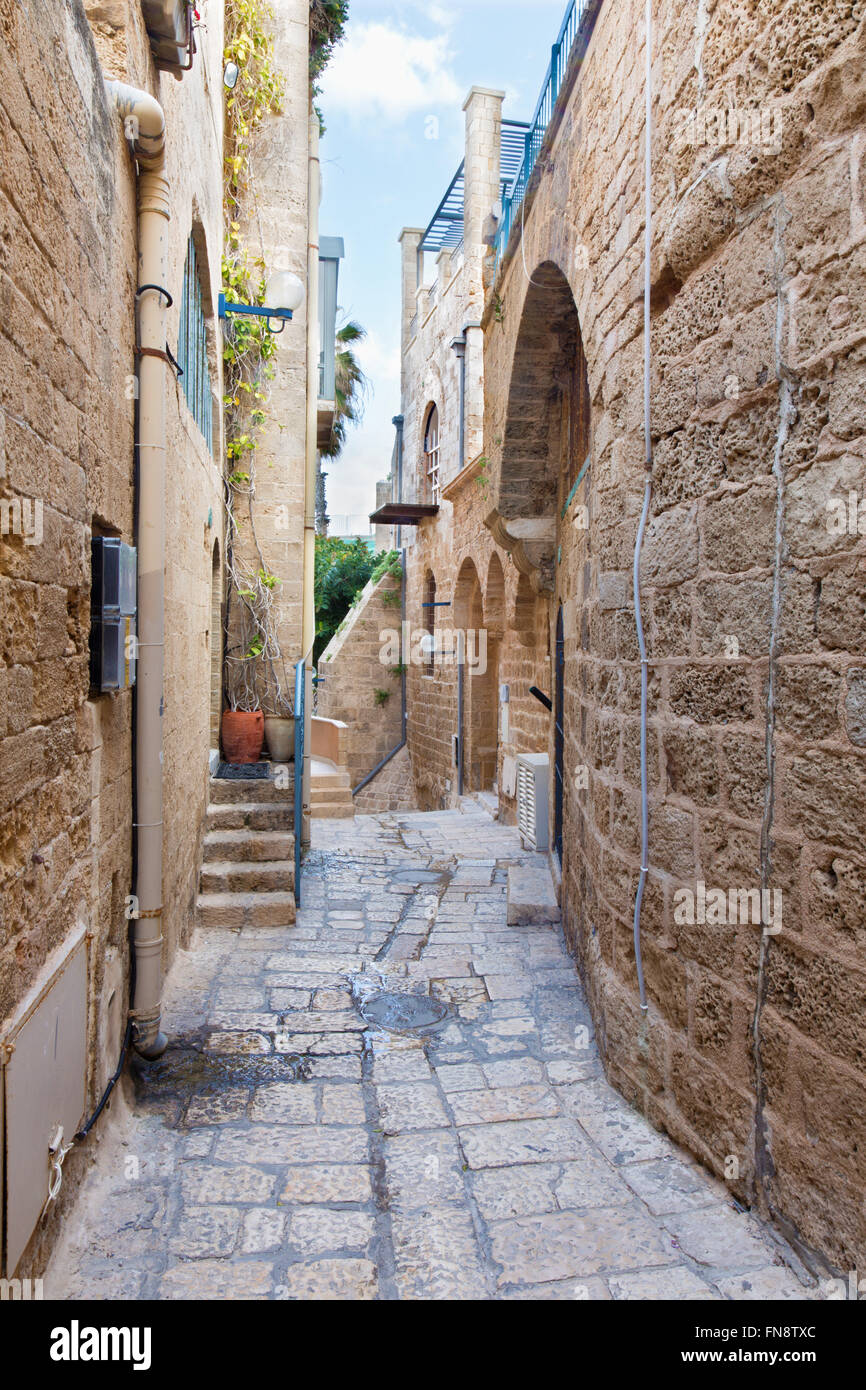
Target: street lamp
[{"x": 283, "y": 289}]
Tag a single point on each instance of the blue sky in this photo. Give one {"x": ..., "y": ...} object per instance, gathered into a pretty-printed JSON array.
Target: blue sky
[{"x": 400, "y": 64}]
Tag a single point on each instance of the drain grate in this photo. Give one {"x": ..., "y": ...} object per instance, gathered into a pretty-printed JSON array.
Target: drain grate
[{"x": 403, "y": 1013}]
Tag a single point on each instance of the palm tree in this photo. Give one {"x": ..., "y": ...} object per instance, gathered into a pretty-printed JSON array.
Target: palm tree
[{"x": 350, "y": 393}]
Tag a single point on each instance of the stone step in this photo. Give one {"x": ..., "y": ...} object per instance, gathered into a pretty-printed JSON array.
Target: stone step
[
  {"x": 260, "y": 790},
  {"x": 318, "y": 795},
  {"x": 330, "y": 780},
  {"x": 252, "y": 846},
  {"x": 245, "y": 815},
  {"x": 531, "y": 894},
  {"x": 228, "y": 876},
  {"x": 333, "y": 810},
  {"x": 246, "y": 909}
]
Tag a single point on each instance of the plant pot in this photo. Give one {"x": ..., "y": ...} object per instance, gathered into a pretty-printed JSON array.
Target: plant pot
[
  {"x": 280, "y": 733},
  {"x": 243, "y": 733}
]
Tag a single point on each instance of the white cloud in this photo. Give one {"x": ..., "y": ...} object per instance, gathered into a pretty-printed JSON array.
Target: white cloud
[{"x": 385, "y": 71}]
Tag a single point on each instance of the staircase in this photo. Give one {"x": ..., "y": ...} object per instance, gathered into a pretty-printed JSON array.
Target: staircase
[
  {"x": 248, "y": 869},
  {"x": 330, "y": 790}
]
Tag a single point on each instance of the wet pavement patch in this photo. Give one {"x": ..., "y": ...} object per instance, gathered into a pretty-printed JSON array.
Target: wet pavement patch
[
  {"x": 420, "y": 877},
  {"x": 403, "y": 1013},
  {"x": 188, "y": 1067}
]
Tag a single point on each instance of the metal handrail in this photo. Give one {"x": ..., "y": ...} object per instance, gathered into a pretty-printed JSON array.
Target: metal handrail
[
  {"x": 300, "y": 693},
  {"x": 559, "y": 60}
]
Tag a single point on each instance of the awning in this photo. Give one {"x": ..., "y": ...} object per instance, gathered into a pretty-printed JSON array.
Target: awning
[{"x": 403, "y": 513}]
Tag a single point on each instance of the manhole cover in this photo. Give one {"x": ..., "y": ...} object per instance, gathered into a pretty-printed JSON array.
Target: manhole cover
[{"x": 403, "y": 1013}]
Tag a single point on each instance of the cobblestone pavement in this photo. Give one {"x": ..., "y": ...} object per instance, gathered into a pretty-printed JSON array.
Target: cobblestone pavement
[{"x": 285, "y": 1148}]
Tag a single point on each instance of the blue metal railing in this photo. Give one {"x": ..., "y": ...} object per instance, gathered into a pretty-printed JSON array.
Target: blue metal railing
[
  {"x": 559, "y": 60},
  {"x": 300, "y": 685}
]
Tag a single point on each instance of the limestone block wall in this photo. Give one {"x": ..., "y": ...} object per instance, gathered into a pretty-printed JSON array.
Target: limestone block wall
[
  {"x": 392, "y": 789},
  {"x": 276, "y": 229},
  {"x": 68, "y": 269},
  {"x": 360, "y": 659},
  {"x": 752, "y": 1053}
]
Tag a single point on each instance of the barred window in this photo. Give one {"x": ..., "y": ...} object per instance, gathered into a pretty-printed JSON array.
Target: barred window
[
  {"x": 431, "y": 455},
  {"x": 192, "y": 349},
  {"x": 430, "y": 622}
]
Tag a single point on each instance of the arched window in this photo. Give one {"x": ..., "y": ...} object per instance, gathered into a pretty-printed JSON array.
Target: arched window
[
  {"x": 192, "y": 348},
  {"x": 430, "y": 621},
  {"x": 431, "y": 455}
]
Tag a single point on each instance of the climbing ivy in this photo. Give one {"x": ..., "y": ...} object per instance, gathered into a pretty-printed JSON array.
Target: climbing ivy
[{"x": 327, "y": 27}]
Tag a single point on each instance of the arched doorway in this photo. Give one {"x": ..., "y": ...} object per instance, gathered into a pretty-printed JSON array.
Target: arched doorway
[
  {"x": 547, "y": 427},
  {"x": 539, "y": 516},
  {"x": 477, "y": 707},
  {"x": 494, "y": 618}
]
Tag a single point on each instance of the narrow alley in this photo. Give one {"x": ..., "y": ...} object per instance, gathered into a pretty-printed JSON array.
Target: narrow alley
[{"x": 398, "y": 1097}]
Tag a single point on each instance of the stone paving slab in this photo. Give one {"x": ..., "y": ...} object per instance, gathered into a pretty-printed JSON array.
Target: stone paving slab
[{"x": 285, "y": 1149}]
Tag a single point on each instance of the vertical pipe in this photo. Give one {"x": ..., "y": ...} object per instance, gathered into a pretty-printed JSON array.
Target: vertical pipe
[
  {"x": 313, "y": 349},
  {"x": 144, "y": 124},
  {"x": 459, "y": 347},
  {"x": 397, "y": 422}
]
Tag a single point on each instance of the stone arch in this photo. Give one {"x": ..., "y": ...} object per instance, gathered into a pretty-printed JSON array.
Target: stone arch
[
  {"x": 467, "y": 606},
  {"x": 494, "y": 597},
  {"x": 525, "y": 620},
  {"x": 547, "y": 426}
]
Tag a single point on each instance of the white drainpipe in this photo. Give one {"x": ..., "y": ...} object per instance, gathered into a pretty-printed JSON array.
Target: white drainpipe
[
  {"x": 308, "y": 635},
  {"x": 144, "y": 125}
]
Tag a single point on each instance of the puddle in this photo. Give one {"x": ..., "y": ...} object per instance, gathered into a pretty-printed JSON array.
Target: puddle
[
  {"x": 419, "y": 877},
  {"x": 403, "y": 1013},
  {"x": 189, "y": 1066}
]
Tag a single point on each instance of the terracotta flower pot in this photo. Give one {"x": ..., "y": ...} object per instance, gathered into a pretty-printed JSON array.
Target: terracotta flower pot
[
  {"x": 243, "y": 733},
  {"x": 280, "y": 734}
]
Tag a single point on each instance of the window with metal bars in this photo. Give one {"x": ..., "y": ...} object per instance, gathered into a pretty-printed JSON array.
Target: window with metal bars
[
  {"x": 431, "y": 455},
  {"x": 430, "y": 622},
  {"x": 192, "y": 349}
]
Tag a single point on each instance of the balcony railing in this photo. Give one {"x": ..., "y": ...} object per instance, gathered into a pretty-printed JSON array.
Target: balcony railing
[{"x": 577, "y": 16}]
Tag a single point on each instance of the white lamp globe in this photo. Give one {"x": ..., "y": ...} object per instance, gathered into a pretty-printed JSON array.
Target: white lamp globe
[{"x": 284, "y": 290}]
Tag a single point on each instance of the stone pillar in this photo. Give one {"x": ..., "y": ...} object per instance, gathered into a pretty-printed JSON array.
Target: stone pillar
[
  {"x": 410, "y": 240},
  {"x": 483, "y": 108}
]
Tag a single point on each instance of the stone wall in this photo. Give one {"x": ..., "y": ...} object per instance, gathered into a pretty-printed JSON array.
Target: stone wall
[
  {"x": 68, "y": 264},
  {"x": 752, "y": 1052},
  {"x": 271, "y": 529},
  {"x": 360, "y": 660},
  {"x": 392, "y": 789}
]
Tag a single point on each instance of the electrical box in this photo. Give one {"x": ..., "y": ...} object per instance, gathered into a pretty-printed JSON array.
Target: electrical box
[
  {"x": 533, "y": 794},
  {"x": 112, "y": 614},
  {"x": 43, "y": 1054}
]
